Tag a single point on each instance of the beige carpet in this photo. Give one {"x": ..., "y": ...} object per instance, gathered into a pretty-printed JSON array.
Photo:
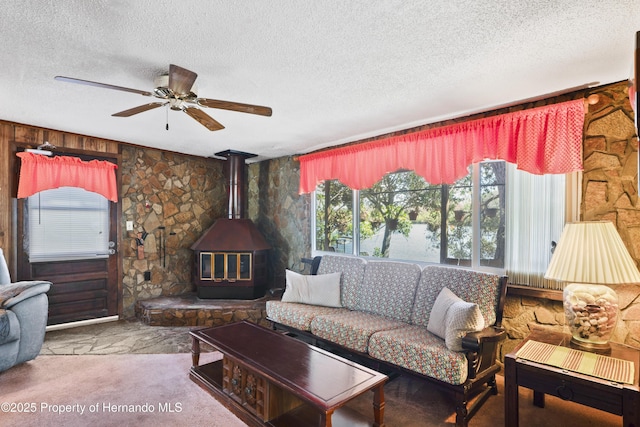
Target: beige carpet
[
  {"x": 107, "y": 389},
  {"x": 96, "y": 383}
]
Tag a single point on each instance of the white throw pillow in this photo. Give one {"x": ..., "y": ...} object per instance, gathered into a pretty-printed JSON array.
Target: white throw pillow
[
  {"x": 437, "y": 324},
  {"x": 453, "y": 319},
  {"x": 322, "y": 289},
  {"x": 462, "y": 317}
]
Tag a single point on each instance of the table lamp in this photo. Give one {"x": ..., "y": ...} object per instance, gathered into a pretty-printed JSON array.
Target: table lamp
[{"x": 590, "y": 255}]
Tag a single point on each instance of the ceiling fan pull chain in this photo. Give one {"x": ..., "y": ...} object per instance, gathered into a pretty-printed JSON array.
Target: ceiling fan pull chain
[{"x": 167, "y": 110}]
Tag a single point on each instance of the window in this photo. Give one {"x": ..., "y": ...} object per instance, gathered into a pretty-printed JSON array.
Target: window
[
  {"x": 334, "y": 218},
  {"x": 386, "y": 225},
  {"x": 67, "y": 223},
  {"x": 404, "y": 217},
  {"x": 495, "y": 218}
]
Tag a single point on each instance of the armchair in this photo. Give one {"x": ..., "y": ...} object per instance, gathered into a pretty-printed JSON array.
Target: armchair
[{"x": 23, "y": 318}]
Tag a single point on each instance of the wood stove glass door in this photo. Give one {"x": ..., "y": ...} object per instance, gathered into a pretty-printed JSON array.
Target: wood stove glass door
[
  {"x": 219, "y": 267},
  {"x": 232, "y": 267},
  {"x": 245, "y": 267},
  {"x": 205, "y": 266}
]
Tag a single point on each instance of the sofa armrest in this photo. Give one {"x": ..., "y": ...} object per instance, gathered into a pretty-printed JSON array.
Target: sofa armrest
[
  {"x": 481, "y": 350},
  {"x": 474, "y": 341},
  {"x": 277, "y": 292},
  {"x": 17, "y": 292}
]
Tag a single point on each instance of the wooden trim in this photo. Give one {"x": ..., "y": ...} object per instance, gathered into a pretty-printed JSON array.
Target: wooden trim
[
  {"x": 528, "y": 291},
  {"x": 6, "y": 234},
  {"x": 501, "y": 301},
  {"x": 64, "y": 150}
]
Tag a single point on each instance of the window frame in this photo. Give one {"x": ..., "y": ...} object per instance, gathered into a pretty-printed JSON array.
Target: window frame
[{"x": 475, "y": 218}]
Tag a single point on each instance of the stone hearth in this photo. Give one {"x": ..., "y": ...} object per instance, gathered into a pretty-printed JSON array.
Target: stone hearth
[{"x": 189, "y": 310}]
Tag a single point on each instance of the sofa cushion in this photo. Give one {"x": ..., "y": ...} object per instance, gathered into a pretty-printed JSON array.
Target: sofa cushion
[
  {"x": 416, "y": 349},
  {"x": 296, "y": 315},
  {"x": 323, "y": 289},
  {"x": 351, "y": 329},
  {"x": 451, "y": 318},
  {"x": 352, "y": 269},
  {"x": 388, "y": 289},
  {"x": 473, "y": 286}
]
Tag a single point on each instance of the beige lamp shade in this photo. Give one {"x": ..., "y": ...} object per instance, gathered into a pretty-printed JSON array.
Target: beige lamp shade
[{"x": 592, "y": 252}]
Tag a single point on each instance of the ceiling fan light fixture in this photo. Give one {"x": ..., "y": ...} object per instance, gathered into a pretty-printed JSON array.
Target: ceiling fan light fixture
[{"x": 176, "y": 103}]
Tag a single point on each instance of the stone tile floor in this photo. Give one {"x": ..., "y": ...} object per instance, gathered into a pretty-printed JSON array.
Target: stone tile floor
[{"x": 118, "y": 337}]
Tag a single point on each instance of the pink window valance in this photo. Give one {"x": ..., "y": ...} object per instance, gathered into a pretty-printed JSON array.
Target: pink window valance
[
  {"x": 544, "y": 140},
  {"x": 38, "y": 173}
]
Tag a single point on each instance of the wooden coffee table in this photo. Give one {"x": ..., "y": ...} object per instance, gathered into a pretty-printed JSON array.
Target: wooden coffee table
[{"x": 267, "y": 378}]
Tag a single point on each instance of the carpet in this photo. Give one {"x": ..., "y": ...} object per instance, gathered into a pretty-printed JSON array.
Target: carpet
[
  {"x": 114, "y": 389},
  {"x": 125, "y": 390}
]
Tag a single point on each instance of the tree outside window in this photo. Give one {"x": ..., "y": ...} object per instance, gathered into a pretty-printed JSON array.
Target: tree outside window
[
  {"x": 334, "y": 217},
  {"x": 404, "y": 217}
]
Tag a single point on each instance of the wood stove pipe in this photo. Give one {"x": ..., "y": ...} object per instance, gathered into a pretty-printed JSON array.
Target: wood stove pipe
[{"x": 236, "y": 193}]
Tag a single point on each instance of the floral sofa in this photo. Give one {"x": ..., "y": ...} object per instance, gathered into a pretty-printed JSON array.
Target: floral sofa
[{"x": 442, "y": 324}]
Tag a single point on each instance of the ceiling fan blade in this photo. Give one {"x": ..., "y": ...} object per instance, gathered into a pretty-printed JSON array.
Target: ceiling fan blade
[
  {"x": 235, "y": 106},
  {"x": 203, "y": 118},
  {"x": 102, "y": 85},
  {"x": 181, "y": 80},
  {"x": 139, "y": 109}
]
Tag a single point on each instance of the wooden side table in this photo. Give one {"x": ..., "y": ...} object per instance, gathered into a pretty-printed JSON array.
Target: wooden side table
[{"x": 616, "y": 398}]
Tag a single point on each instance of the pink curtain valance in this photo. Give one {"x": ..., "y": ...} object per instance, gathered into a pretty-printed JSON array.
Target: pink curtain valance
[
  {"x": 544, "y": 140},
  {"x": 38, "y": 173}
]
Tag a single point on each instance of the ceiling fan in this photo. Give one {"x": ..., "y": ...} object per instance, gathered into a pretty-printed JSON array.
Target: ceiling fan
[{"x": 177, "y": 90}]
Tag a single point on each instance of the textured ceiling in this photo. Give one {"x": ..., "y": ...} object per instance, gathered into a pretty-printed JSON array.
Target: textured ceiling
[{"x": 333, "y": 71}]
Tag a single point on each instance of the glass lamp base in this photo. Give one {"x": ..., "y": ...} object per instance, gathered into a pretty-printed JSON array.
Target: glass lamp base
[
  {"x": 600, "y": 348},
  {"x": 592, "y": 312}
]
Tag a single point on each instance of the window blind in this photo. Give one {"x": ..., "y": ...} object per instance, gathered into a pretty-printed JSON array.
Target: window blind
[{"x": 67, "y": 223}]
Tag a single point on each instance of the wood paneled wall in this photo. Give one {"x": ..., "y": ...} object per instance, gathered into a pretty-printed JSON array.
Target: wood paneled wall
[{"x": 13, "y": 135}]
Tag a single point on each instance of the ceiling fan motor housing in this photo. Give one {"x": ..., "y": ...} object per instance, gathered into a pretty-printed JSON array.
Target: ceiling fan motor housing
[{"x": 162, "y": 90}]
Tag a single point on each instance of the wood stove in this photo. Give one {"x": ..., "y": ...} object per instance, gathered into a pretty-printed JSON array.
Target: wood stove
[{"x": 231, "y": 256}]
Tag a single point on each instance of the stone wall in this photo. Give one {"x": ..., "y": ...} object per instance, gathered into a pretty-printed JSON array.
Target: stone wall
[
  {"x": 184, "y": 194},
  {"x": 610, "y": 190},
  {"x": 281, "y": 214}
]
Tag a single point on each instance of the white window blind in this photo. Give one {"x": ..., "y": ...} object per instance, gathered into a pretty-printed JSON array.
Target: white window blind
[
  {"x": 67, "y": 223},
  {"x": 537, "y": 206}
]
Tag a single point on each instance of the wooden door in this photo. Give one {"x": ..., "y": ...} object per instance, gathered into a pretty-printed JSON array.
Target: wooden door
[{"x": 82, "y": 289}]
